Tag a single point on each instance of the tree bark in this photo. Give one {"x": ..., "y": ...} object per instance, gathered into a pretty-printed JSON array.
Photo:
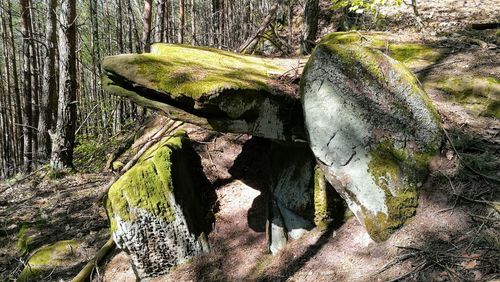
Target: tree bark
[
  {"x": 249, "y": 46},
  {"x": 193, "y": 23},
  {"x": 181, "y": 21},
  {"x": 311, "y": 13},
  {"x": 49, "y": 95},
  {"x": 27, "y": 109},
  {"x": 146, "y": 20},
  {"x": 161, "y": 17},
  {"x": 63, "y": 139}
]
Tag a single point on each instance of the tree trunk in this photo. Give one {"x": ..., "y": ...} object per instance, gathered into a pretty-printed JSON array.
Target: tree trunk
[
  {"x": 27, "y": 109},
  {"x": 161, "y": 17},
  {"x": 249, "y": 46},
  {"x": 193, "y": 22},
  {"x": 146, "y": 20},
  {"x": 215, "y": 22},
  {"x": 17, "y": 92},
  {"x": 119, "y": 26},
  {"x": 311, "y": 13},
  {"x": 181, "y": 21},
  {"x": 35, "y": 82},
  {"x": 63, "y": 138},
  {"x": 290, "y": 22},
  {"x": 49, "y": 95}
]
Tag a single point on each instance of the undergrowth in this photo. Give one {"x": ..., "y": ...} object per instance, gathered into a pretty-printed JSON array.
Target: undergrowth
[{"x": 91, "y": 151}]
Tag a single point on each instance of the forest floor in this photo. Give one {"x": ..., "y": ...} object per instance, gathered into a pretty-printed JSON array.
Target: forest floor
[{"x": 454, "y": 236}]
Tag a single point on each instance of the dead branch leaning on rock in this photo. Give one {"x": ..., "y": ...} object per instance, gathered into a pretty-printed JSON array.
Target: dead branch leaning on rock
[{"x": 165, "y": 130}]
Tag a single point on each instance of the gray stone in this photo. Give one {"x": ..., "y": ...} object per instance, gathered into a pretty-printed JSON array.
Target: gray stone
[{"x": 372, "y": 129}]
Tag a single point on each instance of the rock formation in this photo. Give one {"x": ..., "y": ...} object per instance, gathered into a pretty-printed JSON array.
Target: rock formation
[
  {"x": 362, "y": 124},
  {"x": 211, "y": 88},
  {"x": 372, "y": 129},
  {"x": 156, "y": 209}
]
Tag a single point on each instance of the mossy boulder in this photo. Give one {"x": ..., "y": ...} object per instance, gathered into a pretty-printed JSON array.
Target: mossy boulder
[
  {"x": 413, "y": 55},
  {"x": 218, "y": 90},
  {"x": 49, "y": 257},
  {"x": 479, "y": 94},
  {"x": 156, "y": 210},
  {"x": 372, "y": 129}
]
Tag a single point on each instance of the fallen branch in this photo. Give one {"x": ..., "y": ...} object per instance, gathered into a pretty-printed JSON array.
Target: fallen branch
[
  {"x": 87, "y": 269},
  {"x": 249, "y": 46}
]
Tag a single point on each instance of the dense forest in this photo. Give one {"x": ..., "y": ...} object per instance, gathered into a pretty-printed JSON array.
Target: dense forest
[{"x": 249, "y": 140}]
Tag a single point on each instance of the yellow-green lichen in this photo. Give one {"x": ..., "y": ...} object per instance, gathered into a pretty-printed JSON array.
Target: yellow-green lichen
[
  {"x": 117, "y": 165},
  {"x": 400, "y": 208},
  {"x": 398, "y": 173},
  {"x": 23, "y": 239},
  {"x": 479, "y": 94},
  {"x": 147, "y": 185},
  {"x": 411, "y": 54},
  {"x": 322, "y": 216},
  {"x": 182, "y": 70},
  {"x": 374, "y": 39},
  {"x": 47, "y": 258}
]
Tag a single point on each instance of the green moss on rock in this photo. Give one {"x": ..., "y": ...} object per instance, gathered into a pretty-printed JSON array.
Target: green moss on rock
[
  {"x": 479, "y": 94},
  {"x": 399, "y": 173},
  {"x": 47, "y": 258},
  {"x": 147, "y": 185},
  {"x": 182, "y": 70},
  {"x": 411, "y": 54},
  {"x": 322, "y": 216}
]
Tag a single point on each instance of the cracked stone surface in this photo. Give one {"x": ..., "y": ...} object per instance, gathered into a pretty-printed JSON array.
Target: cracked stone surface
[{"x": 372, "y": 130}]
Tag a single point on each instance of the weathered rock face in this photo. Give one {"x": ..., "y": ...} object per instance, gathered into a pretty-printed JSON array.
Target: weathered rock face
[
  {"x": 218, "y": 90},
  {"x": 156, "y": 209},
  {"x": 372, "y": 129},
  {"x": 300, "y": 200}
]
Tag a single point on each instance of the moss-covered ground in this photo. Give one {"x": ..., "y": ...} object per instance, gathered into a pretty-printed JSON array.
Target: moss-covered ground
[
  {"x": 480, "y": 94},
  {"x": 47, "y": 258}
]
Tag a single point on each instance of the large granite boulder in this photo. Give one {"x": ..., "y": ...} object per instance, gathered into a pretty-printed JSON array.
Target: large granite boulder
[
  {"x": 372, "y": 129},
  {"x": 215, "y": 89},
  {"x": 157, "y": 208}
]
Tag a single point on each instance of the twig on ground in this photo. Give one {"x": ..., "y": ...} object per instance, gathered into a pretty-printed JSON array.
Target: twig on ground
[
  {"x": 486, "y": 177},
  {"x": 89, "y": 267}
]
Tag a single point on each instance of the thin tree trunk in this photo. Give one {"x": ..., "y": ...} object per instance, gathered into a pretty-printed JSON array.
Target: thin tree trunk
[
  {"x": 27, "y": 109},
  {"x": 290, "y": 22},
  {"x": 146, "y": 20},
  {"x": 63, "y": 139},
  {"x": 215, "y": 22},
  {"x": 119, "y": 27},
  {"x": 181, "y": 21},
  {"x": 249, "y": 46},
  {"x": 49, "y": 95},
  {"x": 35, "y": 82},
  {"x": 161, "y": 17},
  {"x": 17, "y": 92},
  {"x": 311, "y": 13},
  {"x": 193, "y": 22}
]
